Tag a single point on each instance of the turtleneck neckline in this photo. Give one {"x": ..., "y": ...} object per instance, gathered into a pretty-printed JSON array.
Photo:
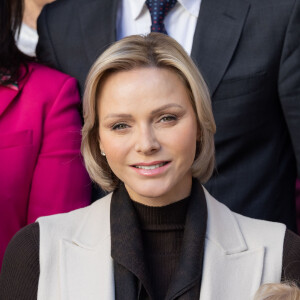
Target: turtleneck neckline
[{"x": 167, "y": 217}]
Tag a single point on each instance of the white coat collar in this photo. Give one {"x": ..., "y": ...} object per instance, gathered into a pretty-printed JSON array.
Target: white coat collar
[{"x": 227, "y": 259}]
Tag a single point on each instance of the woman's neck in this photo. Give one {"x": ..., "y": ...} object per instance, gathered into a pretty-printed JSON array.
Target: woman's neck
[{"x": 31, "y": 12}]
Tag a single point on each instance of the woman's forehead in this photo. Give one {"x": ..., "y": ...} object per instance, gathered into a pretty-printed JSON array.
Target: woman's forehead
[{"x": 142, "y": 88}]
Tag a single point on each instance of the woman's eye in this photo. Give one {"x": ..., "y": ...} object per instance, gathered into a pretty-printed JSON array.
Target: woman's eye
[
  {"x": 119, "y": 126},
  {"x": 168, "y": 118}
]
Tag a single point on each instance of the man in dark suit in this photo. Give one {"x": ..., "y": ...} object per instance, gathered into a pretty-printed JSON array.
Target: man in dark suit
[{"x": 249, "y": 54}]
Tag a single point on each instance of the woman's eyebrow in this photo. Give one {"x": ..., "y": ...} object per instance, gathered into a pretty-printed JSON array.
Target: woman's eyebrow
[
  {"x": 164, "y": 107},
  {"x": 127, "y": 116},
  {"x": 114, "y": 115}
]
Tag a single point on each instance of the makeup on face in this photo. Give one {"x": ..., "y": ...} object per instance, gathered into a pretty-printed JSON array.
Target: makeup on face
[{"x": 148, "y": 131}]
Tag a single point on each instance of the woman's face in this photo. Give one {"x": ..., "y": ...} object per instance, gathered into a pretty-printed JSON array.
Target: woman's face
[{"x": 148, "y": 131}]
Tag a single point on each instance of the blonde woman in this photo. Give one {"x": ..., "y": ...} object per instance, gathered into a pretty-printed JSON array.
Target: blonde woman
[{"x": 148, "y": 139}]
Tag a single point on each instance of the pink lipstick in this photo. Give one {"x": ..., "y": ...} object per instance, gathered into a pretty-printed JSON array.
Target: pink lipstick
[{"x": 152, "y": 168}]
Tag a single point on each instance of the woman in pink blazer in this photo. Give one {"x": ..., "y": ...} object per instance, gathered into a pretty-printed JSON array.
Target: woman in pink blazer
[{"x": 41, "y": 169}]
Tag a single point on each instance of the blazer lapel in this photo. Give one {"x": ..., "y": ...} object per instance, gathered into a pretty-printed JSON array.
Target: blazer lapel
[
  {"x": 8, "y": 94},
  {"x": 243, "y": 270},
  {"x": 88, "y": 255},
  {"x": 227, "y": 259},
  {"x": 217, "y": 33},
  {"x": 98, "y": 23}
]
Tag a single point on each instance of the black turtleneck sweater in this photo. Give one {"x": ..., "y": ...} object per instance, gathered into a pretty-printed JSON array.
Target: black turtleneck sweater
[{"x": 162, "y": 234}]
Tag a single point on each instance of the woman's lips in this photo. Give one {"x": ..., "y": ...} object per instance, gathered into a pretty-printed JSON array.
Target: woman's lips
[{"x": 151, "y": 169}]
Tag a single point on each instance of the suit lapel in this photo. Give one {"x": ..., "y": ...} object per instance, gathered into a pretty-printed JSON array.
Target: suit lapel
[
  {"x": 8, "y": 94},
  {"x": 242, "y": 270},
  {"x": 227, "y": 259},
  {"x": 77, "y": 264},
  {"x": 88, "y": 255},
  {"x": 98, "y": 24},
  {"x": 217, "y": 33}
]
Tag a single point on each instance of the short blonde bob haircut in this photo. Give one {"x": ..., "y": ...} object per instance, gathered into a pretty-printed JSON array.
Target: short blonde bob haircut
[
  {"x": 155, "y": 50},
  {"x": 278, "y": 291}
]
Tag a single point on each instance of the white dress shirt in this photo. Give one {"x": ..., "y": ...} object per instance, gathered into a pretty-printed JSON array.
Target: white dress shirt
[
  {"x": 134, "y": 18},
  {"x": 27, "y": 40}
]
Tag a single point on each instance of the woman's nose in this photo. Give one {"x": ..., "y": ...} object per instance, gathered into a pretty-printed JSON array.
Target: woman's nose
[{"x": 146, "y": 141}]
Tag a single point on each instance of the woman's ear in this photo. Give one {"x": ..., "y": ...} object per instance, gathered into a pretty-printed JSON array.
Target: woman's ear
[{"x": 100, "y": 145}]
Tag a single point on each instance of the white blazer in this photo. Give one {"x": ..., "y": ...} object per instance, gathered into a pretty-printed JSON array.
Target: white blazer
[{"x": 75, "y": 261}]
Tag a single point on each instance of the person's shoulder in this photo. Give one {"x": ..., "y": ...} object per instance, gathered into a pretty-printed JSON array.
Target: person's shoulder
[
  {"x": 291, "y": 257},
  {"x": 72, "y": 217},
  {"x": 65, "y": 217},
  {"x": 68, "y": 226},
  {"x": 23, "y": 247},
  {"x": 20, "y": 268},
  {"x": 293, "y": 239},
  {"x": 57, "y": 10},
  {"x": 56, "y": 13},
  {"x": 28, "y": 235},
  {"x": 47, "y": 83},
  {"x": 261, "y": 229},
  {"x": 44, "y": 72},
  {"x": 255, "y": 231},
  {"x": 259, "y": 223},
  {"x": 292, "y": 249},
  {"x": 60, "y": 6}
]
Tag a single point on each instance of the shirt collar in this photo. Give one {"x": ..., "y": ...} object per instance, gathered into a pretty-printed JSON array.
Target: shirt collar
[
  {"x": 137, "y": 6},
  {"x": 192, "y": 6}
]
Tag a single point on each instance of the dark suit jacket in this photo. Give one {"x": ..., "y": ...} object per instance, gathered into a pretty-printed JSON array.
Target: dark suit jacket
[{"x": 249, "y": 55}]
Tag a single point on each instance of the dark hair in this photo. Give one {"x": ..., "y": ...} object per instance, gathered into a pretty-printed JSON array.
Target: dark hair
[{"x": 11, "y": 58}]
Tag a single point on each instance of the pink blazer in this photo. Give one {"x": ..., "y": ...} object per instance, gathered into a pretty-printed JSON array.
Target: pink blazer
[{"x": 41, "y": 169}]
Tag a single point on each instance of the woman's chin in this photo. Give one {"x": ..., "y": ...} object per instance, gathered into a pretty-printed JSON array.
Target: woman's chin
[{"x": 152, "y": 195}]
